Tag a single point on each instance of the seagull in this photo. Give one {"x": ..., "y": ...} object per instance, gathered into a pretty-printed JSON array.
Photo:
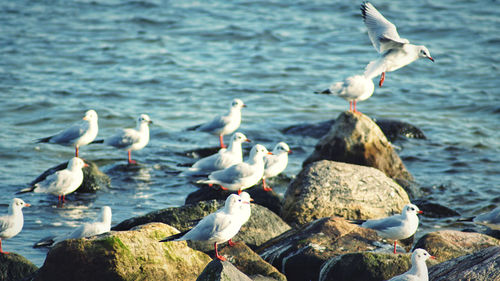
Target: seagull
[
  {"x": 396, "y": 227},
  {"x": 242, "y": 175},
  {"x": 80, "y": 133},
  {"x": 395, "y": 51},
  {"x": 352, "y": 89},
  {"x": 418, "y": 270},
  {"x": 131, "y": 139},
  {"x": 101, "y": 225},
  {"x": 276, "y": 163},
  {"x": 221, "y": 160},
  {"x": 224, "y": 124},
  {"x": 61, "y": 182},
  {"x": 217, "y": 227},
  {"x": 11, "y": 224},
  {"x": 490, "y": 219},
  {"x": 245, "y": 207}
]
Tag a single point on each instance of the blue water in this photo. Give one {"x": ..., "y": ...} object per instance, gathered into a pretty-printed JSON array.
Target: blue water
[{"x": 182, "y": 62}]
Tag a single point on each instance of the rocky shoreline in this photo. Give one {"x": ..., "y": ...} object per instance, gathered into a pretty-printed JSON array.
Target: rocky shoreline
[{"x": 354, "y": 173}]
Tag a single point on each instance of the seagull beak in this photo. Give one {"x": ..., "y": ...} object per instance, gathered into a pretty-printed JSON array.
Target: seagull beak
[
  {"x": 251, "y": 200},
  {"x": 27, "y": 205},
  {"x": 431, "y": 59},
  {"x": 247, "y": 140},
  {"x": 290, "y": 151},
  {"x": 433, "y": 257},
  {"x": 270, "y": 153},
  {"x": 150, "y": 122},
  {"x": 85, "y": 118},
  {"x": 420, "y": 212},
  {"x": 244, "y": 105},
  {"x": 85, "y": 165}
]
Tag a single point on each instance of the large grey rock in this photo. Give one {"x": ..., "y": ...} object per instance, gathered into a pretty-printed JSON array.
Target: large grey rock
[
  {"x": 125, "y": 255},
  {"x": 356, "y": 139},
  {"x": 449, "y": 244},
  {"x": 15, "y": 267},
  {"x": 249, "y": 262},
  {"x": 299, "y": 254},
  {"x": 327, "y": 188},
  {"x": 218, "y": 270},
  {"x": 483, "y": 265},
  {"x": 93, "y": 178},
  {"x": 262, "y": 225}
]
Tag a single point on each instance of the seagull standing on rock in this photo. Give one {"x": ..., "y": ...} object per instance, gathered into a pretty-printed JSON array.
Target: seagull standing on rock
[
  {"x": 79, "y": 134},
  {"x": 352, "y": 89},
  {"x": 242, "y": 175},
  {"x": 62, "y": 182},
  {"x": 396, "y": 227},
  {"x": 221, "y": 160},
  {"x": 12, "y": 223},
  {"x": 418, "y": 270},
  {"x": 224, "y": 124},
  {"x": 131, "y": 139},
  {"x": 276, "y": 163},
  {"x": 396, "y": 52},
  {"x": 218, "y": 227}
]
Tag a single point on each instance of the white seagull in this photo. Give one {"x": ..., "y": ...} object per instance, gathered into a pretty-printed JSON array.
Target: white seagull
[
  {"x": 396, "y": 227},
  {"x": 221, "y": 160},
  {"x": 352, "y": 89},
  {"x": 101, "y": 224},
  {"x": 242, "y": 175},
  {"x": 224, "y": 124},
  {"x": 395, "y": 51},
  {"x": 418, "y": 270},
  {"x": 490, "y": 219},
  {"x": 131, "y": 139},
  {"x": 12, "y": 224},
  {"x": 218, "y": 227},
  {"x": 80, "y": 133},
  {"x": 276, "y": 163},
  {"x": 62, "y": 182}
]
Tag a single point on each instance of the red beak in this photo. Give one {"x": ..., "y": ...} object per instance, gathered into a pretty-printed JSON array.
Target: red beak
[
  {"x": 85, "y": 165},
  {"x": 247, "y": 140},
  {"x": 290, "y": 151},
  {"x": 433, "y": 257},
  {"x": 27, "y": 204},
  {"x": 420, "y": 212},
  {"x": 270, "y": 153},
  {"x": 431, "y": 59}
]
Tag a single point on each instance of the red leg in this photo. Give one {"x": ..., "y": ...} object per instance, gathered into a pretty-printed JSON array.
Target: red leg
[
  {"x": 217, "y": 253},
  {"x": 231, "y": 243},
  {"x": 76, "y": 151},
  {"x": 354, "y": 103},
  {"x": 395, "y": 246},
  {"x": 382, "y": 78},
  {"x": 239, "y": 191},
  {"x": 221, "y": 140},
  {"x": 1, "y": 251},
  {"x": 130, "y": 161},
  {"x": 64, "y": 198},
  {"x": 265, "y": 187},
  {"x": 350, "y": 105}
]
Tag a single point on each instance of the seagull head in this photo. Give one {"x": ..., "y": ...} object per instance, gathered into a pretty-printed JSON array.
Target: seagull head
[
  {"x": 237, "y": 104},
  {"x": 90, "y": 115},
  {"x": 18, "y": 203},
  {"x": 282, "y": 147},
  {"x": 144, "y": 119},
  {"x": 76, "y": 163},
  {"x": 420, "y": 255},
  {"x": 423, "y": 52},
  {"x": 239, "y": 137},
  {"x": 411, "y": 209},
  {"x": 259, "y": 151}
]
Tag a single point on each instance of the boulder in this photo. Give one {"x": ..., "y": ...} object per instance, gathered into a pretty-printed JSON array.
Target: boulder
[
  {"x": 449, "y": 244},
  {"x": 93, "y": 178},
  {"x": 367, "y": 266},
  {"x": 126, "y": 255},
  {"x": 313, "y": 244},
  {"x": 356, "y": 139},
  {"x": 483, "y": 265},
  {"x": 434, "y": 210},
  {"x": 327, "y": 188},
  {"x": 392, "y": 129},
  {"x": 270, "y": 199},
  {"x": 262, "y": 225},
  {"x": 15, "y": 267},
  {"x": 218, "y": 270},
  {"x": 249, "y": 262}
]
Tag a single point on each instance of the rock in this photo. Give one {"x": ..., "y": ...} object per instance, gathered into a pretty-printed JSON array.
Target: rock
[
  {"x": 93, "y": 178},
  {"x": 262, "y": 225},
  {"x": 392, "y": 129},
  {"x": 250, "y": 263},
  {"x": 434, "y": 210},
  {"x": 270, "y": 200},
  {"x": 328, "y": 188},
  {"x": 483, "y": 265},
  {"x": 449, "y": 244},
  {"x": 15, "y": 267},
  {"x": 365, "y": 266},
  {"x": 222, "y": 270},
  {"x": 315, "y": 243},
  {"x": 126, "y": 255},
  {"x": 356, "y": 139}
]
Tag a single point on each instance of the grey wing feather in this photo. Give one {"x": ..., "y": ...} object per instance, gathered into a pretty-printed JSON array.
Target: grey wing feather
[
  {"x": 124, "y": 138},
  {"x": 383, "y": 224},
  {"x": 70, "y": 134},
  {"x": 237, "y": 171},
  {"x": 382, "y": 32},
  {"x": 5, "y": 223},
  {"x": 216, "y": 123},
  {"x": 270, "y": 160}
]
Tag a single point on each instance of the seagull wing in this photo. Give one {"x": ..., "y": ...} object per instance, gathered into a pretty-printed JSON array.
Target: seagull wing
[
  {"x": 233, "y": 173},
  {"x": 382, "y": 32},
  {"x": 72, "y": 133},
  {"x": 124, "y": 138},
  {"x": 216, "y": 124}
]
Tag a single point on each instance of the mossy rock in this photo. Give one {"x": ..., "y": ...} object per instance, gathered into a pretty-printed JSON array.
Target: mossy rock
[{"x": 15, "y": 267}]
